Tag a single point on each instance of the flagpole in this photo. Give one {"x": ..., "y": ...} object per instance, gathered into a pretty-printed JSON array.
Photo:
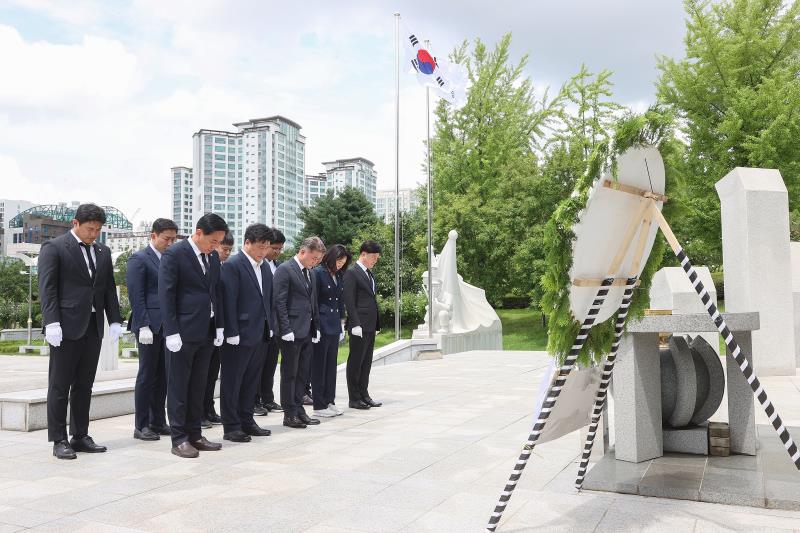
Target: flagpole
[
  {"x": 397, "y": 178},
  {"x": 430, "y": 204}
]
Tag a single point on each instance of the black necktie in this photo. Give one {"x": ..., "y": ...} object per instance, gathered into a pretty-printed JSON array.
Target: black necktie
[
  {"x": 308, "y": 279},
  {"x": 372, "y": 279},
  {"x": 205, "y": 263},
  {"x": 88, "y": 248}
]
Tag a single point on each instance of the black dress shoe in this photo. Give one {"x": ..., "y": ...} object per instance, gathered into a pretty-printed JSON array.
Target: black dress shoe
[
  {"x": 260, "y": 410},
  {"x": 308, "y": 400},
  {"x": 272, "y": 406},
  {"x": 86, "y": 444},
  {"x": 206, "y": 423},
  {"x": 62, "y": 450},
  {"x": 205, "y": 445},
  {"x": 293, "y": 422},
  {"x": 145, "y": 434},
  {"x": 162, "y": 430},
  {"x": 372, "y": 403},
  {"x": 256, "y": 431},
  {"x": 306, "y": 420},
  {"x": 358, "y": 404},
  {"x": 214, "y": 418},
  {"x": 185, "y": 450},
  {"x": 237, "y": 436}
]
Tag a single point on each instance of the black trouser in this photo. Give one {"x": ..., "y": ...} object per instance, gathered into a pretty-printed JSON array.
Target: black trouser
[
  {"x": 268, "y": 374},
  {"x": 70, "y": 377},
  {"x": 187, "y": 370},
  {"x": 323, "y": 370},
  {"x": 211, "y": 383},
  {"x": 150, "y": 393},
  {"x": 295, "y": 362},
  {"x": 239, "y": 382},
  {"x": 359, "y": 363}
]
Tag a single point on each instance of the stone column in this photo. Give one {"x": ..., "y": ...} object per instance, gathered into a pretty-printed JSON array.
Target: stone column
[
  {"x": 637, "y": 399},
  {"x": 756, "y": 259}
]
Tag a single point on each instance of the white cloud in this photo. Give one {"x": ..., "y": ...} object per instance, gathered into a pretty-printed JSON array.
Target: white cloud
[{"x": 96, "y": 73}]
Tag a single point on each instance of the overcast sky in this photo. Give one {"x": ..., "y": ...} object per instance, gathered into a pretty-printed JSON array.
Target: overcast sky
[{"x": 99, "y": 99}]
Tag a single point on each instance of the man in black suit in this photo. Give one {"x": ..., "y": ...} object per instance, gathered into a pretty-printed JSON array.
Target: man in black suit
[
  {"x": 295, "y": 298},
  {"x": 210, "y": 416},
  {"x": 363, "y": 322},
  {"x": 266, "y": 397},
  {"x": 192, "y": 308},
  {"x": 150, "y": 393},
  {"x": 248, "y": 308},
  {"x": 76, "y": 286}
]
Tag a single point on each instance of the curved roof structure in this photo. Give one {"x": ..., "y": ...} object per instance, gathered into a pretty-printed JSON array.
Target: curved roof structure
[{"x": 114, "y": 216}]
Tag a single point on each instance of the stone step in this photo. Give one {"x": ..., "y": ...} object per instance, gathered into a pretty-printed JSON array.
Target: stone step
[{"x": 27, "y": 410}]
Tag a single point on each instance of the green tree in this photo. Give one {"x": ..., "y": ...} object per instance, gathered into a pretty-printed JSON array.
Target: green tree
[
  {"x": 336, "y": 219},
  {"x": 14, "y": 293},
  {"x": 737, "y": 93},
  {"x": 485, "y": 166}
]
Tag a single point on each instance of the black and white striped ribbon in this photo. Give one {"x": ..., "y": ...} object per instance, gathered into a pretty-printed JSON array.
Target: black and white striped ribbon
[
  {"x": 602, "y": 391},
  {"x": 550, "y": 401},
  {"x": 736, "y": 353}
]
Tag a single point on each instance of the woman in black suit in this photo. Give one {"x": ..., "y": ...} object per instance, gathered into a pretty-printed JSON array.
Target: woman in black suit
[{"x": 330, "y": 273}]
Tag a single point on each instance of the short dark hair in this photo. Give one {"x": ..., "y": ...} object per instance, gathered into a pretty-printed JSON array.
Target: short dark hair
[
  {"x": 90, "y": 213},
  {"x": 211, "y": 222},
  {"x": 370, "y": 247},
  {"x": 334, "y": 253},
  {"x": 160, "y": 225},
  {"x": 277, "y": 236},
  {"x": 258, "y": 233},
  {"x": 227, "y": 240}
]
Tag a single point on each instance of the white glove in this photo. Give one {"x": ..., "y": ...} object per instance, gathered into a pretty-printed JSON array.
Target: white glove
[
  {"x": 341, "y": 336},
  {"x": 316, "y": 338},
  {"x": 357, "y": 331},
  {"x": 145, "y": 335},
  {"x": 271, "y": 334},
  {"x": 233, "y": 341},
  {"x": 220, "y": 338},
  {"x": 289, "y": 337},
  {"x": 53, "y": 334},
  {"x": 174, "y": 342},
  {"x": 115, "y": 331}
]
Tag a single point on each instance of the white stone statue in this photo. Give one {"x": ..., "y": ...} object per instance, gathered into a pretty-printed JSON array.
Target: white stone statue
[{"x": 458, "y": 307}]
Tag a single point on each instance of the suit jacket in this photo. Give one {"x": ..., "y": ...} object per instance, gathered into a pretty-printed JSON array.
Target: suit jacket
[
  {"x": 186, "y": 294},
  {"x": 142, "y": 279},
  {"x": 66, "y": 290},
  {"x": 295, "y": 306},
  {"x": 248, "y": 310},
  {"x": 359, "y": 300},
  {"x": 330, "y": 301}
]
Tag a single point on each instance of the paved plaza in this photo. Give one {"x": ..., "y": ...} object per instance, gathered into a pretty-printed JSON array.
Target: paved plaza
[{"x": 433, "y": 458}]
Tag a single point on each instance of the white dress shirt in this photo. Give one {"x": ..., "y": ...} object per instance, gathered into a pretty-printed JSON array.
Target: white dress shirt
[
  {"x": 197, "y": 253},
  {"x": 272, "y": 266},
  {"x": 308, "y": 279},
  {"x": 155, "y": 250},
  {"x": 256, "y": 269},
  {"x": 85, "y": 257},
  {"x": 366, "y": 271}
]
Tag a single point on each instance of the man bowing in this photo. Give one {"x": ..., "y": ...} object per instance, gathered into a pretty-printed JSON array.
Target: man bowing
[{"x": 76, "y": 286}]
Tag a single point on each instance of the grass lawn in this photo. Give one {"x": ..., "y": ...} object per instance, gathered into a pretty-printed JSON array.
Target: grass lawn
[{"x": 522, "y": 329}]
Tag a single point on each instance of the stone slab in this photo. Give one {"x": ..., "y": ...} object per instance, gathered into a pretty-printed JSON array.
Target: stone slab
[
  {"x": 692, "y": 323},
  {"x": 675, "y": 481},
  {"x": 692, "y": 440},
  {"x": 794, "y": 250}
]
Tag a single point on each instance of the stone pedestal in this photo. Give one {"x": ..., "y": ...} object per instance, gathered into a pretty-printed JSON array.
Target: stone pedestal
[
  {"x": 671, "y": 289},
  {"x": 756, "y": 259},
  {"x": 637, "y": 384}
]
